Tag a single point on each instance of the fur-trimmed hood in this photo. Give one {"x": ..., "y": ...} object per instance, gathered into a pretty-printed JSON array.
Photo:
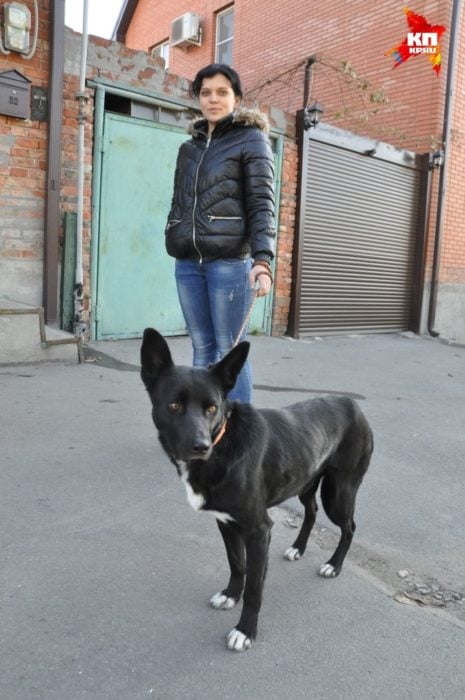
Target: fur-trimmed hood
[
  {"x": 244, "y": 116},
  {"x": 251, "y": 116}
]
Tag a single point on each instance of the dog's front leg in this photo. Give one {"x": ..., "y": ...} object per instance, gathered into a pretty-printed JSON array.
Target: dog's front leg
[
  {"x": 257, "y": 543},
  {"x": 234, "y": 544}
]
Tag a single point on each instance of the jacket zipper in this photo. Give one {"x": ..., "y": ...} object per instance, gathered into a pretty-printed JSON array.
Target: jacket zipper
[
  {"x": 195, "y": 201},
  {"x": 210, "y": 217}
]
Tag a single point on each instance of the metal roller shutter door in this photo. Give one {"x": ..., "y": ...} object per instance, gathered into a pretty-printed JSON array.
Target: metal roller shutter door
[{"x": 358, "y": 248}]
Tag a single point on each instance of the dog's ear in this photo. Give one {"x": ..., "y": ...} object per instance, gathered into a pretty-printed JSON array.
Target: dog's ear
[
  {"x": 229, "y": 367},
  {"x": 155, "y": 356}
]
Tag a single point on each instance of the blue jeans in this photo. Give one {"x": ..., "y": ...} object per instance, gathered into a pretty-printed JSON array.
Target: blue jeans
[{"x": 215, "y": 297}]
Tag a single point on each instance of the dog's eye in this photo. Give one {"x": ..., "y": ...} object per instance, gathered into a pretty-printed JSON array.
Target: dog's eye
[
  {"x": 174, "y": 406},
  {"x": 212, "y": 408}
]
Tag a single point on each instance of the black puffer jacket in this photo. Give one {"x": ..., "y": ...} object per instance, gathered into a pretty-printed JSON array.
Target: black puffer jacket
[{"x": 223, "y": 201}]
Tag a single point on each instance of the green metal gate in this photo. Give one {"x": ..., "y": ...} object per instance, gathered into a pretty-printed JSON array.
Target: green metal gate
[{"x": 135, "y": 282}]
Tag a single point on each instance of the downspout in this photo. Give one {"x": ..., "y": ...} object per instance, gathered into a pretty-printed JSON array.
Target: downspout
[
  {"x": 52, "y": 205},
  {"x": 79, "y": 325},
  {"x": 451, "y": 74}
]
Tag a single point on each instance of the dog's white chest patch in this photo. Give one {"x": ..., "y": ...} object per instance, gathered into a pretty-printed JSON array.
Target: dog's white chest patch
[{"x": 197, "y": 501}]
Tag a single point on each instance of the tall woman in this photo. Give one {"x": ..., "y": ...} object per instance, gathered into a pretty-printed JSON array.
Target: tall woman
[{"x": 221, "y": 227}]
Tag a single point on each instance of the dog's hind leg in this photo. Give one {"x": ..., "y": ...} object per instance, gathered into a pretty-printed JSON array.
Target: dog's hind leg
[
  {"x": 307, "y": 498},
  {"x": 338, "y": 498},
  {"x": 235, "y": 550}
]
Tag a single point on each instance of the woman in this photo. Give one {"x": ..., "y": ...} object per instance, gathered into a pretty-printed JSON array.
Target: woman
[{"x": 221, "y": 226}]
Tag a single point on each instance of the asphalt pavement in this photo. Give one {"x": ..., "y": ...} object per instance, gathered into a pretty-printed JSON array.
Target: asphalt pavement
[{"x": 106, "y": 572}]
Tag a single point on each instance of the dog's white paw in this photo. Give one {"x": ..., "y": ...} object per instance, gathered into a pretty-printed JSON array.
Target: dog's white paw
[
  {"x": 327, "y": 570},
  {"x": 237, "y": 641},
  {"x": 222, "y": 602},
  {"x": 292, "y": 553}
]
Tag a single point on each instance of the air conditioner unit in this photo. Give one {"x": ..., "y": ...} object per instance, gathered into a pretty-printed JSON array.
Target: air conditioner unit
[{"x": 185, "y": 30}]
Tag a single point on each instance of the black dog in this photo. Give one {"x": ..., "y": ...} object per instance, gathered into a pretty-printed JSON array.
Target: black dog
[{"x": 237, "y": 461}]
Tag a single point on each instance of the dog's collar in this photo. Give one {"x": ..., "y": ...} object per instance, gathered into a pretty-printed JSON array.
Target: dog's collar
[{"x": 220, "y": 434}]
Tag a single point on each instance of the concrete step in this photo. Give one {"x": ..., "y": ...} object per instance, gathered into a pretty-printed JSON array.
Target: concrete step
[{"x": 25, "y": 339}]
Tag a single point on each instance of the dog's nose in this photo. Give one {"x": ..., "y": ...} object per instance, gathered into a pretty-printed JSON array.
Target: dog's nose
[{"x": 201, "y": 446}]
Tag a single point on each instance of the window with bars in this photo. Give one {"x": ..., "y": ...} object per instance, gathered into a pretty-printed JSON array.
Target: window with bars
[{"x": 224, "y": 36}]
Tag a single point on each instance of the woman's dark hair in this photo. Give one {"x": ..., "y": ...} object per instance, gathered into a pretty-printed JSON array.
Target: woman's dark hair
[{"x": 212, "y": 70}]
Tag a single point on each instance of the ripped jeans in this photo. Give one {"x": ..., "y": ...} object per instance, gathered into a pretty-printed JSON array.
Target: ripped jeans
[{"x": 215, "y": 297}]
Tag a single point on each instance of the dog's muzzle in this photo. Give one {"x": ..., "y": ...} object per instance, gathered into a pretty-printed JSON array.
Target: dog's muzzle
[{"x": 201, "y": 448}]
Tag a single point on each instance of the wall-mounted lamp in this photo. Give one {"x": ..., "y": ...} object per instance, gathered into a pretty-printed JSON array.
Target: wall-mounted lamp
[
  {"x": 17, "y": 26},
  {"x": 15, "y": 34},
  {"x": 436, "y": 159},
  {"x": 312, "y": 115}
]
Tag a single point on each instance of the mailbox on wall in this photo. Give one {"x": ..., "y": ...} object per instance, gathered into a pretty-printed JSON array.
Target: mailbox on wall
[{"x": 15, "y": 94}]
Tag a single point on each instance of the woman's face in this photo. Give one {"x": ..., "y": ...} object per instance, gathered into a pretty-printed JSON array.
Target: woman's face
[{"x": 217, "y": 99}]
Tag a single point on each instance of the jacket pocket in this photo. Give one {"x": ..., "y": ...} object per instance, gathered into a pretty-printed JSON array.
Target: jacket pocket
[{"x": 171, "y": 223}]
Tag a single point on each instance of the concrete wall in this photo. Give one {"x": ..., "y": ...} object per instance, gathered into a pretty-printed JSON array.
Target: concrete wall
[{"x": 450, "y": 314}]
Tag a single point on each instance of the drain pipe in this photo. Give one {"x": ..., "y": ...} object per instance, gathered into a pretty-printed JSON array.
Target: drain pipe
[
  {"x": 451, "y": 74},
  {"x": 81, "y": 96},
  {"x": 54, "y": 135}
]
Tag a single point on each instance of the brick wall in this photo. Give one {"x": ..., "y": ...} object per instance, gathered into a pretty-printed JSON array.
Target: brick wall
[
  {"x": 286, "y": 232},
  {"x": 453, "y": 243},
  {"x": 151, "y": 25},
  {"x": 449, "y": 319},
  {"x": 353, "y": 78},
  {"x": 23, "y": 163},
  {"x": 115, "y": 62}
]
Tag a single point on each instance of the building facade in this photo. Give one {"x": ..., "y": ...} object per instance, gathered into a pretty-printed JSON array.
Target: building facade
[
  {"x": 410, "y": 106},
  {"x": 131, "y": 89}
]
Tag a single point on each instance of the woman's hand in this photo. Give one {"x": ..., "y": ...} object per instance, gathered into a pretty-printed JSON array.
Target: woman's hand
[{"x": 260, "y": 279}]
